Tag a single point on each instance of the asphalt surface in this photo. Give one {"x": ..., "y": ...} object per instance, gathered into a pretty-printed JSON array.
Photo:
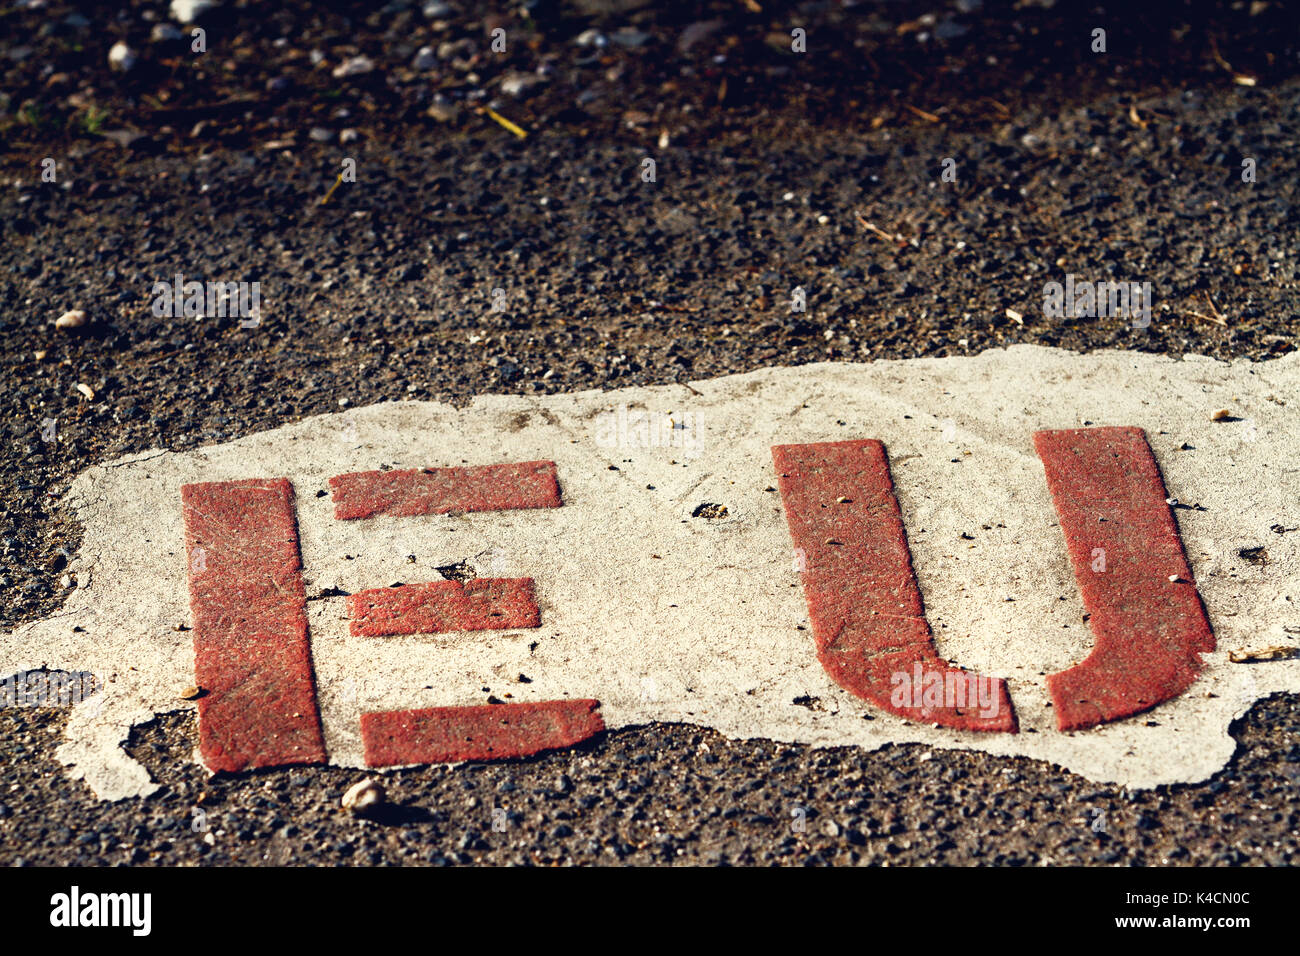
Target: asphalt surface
[{"x": 773, "y": 170}]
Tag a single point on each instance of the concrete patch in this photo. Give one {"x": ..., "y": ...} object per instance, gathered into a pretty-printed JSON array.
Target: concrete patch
[{"x": 668, "y": 582}]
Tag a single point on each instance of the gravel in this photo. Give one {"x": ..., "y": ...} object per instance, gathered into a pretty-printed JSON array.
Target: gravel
[
  {"x": 668, "y": 794},
  {"x": 781, "y": 170}
]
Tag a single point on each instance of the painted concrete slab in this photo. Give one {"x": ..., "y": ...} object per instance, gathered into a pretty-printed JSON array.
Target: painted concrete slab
[{"x": 668, "y": 582}]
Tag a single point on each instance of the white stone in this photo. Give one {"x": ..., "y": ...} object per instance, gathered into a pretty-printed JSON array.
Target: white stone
[
  {"x": 121, "y": 57},
  {"x": 75, "y": 319},
  {"x": 190, "y": 11},
  {"x": 354, "y": 66},
  {"x": 364, "y": 797}
]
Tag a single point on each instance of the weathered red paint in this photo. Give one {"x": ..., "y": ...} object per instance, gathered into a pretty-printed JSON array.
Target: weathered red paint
[
  {"x": 867, "y": 616},
  {"x": 421, "y": 491},
  {"x": 252, "y": 654},
  {"x": 477, "y": 605},
  {"x": 1144, "y": 609},
  {"x": 487, "y": 732}
]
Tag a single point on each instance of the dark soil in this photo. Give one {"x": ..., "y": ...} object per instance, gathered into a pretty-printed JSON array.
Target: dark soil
[{"x": 656, "y": 795}]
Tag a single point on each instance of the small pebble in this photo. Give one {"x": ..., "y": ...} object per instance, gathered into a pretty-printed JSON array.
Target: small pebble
[
  {"x": 121, "y": 57},
  {"x": 166, "y": 33},
  {"x": 364, "y": 797},
  {"x": 354, "y": 66},
  {"x": 443, "y": 111},
  {"x": 425, "y": 59},
  {"x": 1220, "y": 415},
  {"x": 191, "y": 693},
  {"x": 189, "y": 11},
  {"x": 75, "y": 319},
  {"x": 518, "y": 84}
]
